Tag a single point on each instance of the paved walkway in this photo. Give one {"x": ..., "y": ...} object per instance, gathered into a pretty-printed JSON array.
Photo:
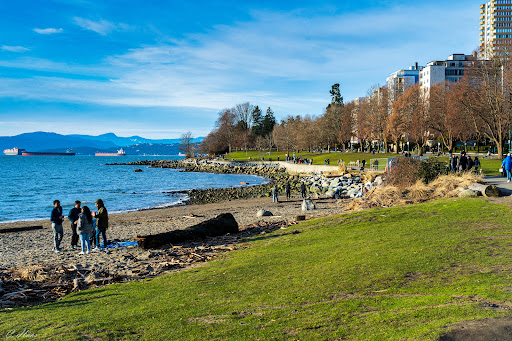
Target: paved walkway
[{"x": 500, "y": 182}]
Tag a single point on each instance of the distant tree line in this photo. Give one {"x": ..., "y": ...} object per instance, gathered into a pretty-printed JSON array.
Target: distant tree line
[{"x": 479, "y": 108}]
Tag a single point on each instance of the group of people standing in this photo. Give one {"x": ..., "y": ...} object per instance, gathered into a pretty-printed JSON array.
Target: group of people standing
[
  {"x": 464, "y": 163},
  {"x": 288, "y": 191},
  {"x": 86, "y": 226}
]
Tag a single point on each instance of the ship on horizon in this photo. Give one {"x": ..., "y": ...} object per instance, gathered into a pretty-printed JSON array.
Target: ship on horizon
[
  {"x": 68, "y": 152},
  {"x": 120, "y": 152},
  {"x": 14, "y": 151}
]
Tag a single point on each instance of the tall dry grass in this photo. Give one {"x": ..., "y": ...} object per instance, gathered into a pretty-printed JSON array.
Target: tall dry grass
[{"x": 445, "y": 186}]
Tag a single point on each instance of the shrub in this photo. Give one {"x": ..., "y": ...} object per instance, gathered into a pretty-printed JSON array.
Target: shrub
[
  {"x": 431, "y": 169},
  {"x": 406, "y": 172}
]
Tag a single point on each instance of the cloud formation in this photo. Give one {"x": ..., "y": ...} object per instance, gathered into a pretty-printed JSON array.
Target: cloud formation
[
  {"x": 48, "y": 30},
  {"x": 286, "y": 60},
  {"x": 102, "y": 27},
  {"x": 17, "y": 49}
]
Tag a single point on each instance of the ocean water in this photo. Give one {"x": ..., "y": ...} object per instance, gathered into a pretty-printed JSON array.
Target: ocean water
[{"x": 29, "y": 184}]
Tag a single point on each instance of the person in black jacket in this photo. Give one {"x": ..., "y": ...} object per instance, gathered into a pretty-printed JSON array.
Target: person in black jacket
[
  {"x": 56, "y": 219},
  {"x": 303, "y": 190},
  {"x": 470, "y": 163},
  {"x": 287, "y": 190},
  {"x": 73, "y": 218},
  {"x": 463, "y": 162}
]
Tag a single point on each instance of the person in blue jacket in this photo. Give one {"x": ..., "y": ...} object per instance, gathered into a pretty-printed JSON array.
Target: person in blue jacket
[
  {"x": 507, "y": 166},
  {"x": 56, "y": 219}
]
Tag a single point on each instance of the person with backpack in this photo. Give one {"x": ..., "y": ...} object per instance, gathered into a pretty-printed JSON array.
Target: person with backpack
[
  {"x": 477, "y": 163},
  {"x": 84, "y": 228},
  {"x": 101, "y": 224}
]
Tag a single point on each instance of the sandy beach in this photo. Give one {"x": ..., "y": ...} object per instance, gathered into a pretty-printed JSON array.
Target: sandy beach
[{"x": 29, "y": 248}]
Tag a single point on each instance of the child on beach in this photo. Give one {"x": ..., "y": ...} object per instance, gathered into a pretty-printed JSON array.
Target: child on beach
[
  {"x": 84, "y": 227},
  {"x": 56, "y": 219}
]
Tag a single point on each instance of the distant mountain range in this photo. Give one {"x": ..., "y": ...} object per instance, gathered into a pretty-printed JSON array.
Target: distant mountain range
[{"x": 88, "y": 145}]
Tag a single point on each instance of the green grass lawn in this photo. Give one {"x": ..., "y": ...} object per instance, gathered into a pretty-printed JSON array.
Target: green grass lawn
[
  {"x": 318, "y": 158},
  {"x": 403, "y": 273},
  {"x": 489, "y": 166}
]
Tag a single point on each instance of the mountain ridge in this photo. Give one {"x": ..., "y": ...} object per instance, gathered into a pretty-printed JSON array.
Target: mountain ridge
[{"x": 49, "y": 141}]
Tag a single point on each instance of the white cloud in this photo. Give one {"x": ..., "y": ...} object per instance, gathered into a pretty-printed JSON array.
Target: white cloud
[
  {"x": 18, "y": 49},
  {"x": 102, "y": 26},
  {"x": 282, "y": 60},
  {"x": 48, "y": 30}
]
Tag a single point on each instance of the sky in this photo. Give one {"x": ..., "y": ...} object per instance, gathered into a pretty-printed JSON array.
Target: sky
[{"x": 158, "y": 68}]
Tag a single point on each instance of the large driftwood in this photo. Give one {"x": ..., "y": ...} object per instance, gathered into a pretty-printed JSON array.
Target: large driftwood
[
  {"x": 19, "y": 229},
  {"x": 486, "y": 190},
  {"x": 218, "y": 226}
]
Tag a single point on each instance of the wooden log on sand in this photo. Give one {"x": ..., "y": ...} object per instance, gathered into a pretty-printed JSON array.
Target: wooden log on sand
[
  {"x": 486, "y": 190},
  {"x": 19, "y": 229},
  {"x": 218, "y": 226}
]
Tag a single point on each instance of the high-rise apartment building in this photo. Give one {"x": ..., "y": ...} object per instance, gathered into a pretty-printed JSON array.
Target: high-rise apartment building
[
  {"x": 400, "y": 80},
  {"x": 450, "y": 70},
  {"x": 495, "y": 27}
]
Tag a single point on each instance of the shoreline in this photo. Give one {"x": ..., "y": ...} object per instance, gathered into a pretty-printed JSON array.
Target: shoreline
[{"x": 27, "y": 259}]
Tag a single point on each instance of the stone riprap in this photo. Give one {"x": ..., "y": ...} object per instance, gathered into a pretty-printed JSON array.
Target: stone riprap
[{"x": 347, "y": 185}]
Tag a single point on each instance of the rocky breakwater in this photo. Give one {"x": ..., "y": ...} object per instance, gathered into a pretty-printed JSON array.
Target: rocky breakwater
[{"x": 348, "y": 185}]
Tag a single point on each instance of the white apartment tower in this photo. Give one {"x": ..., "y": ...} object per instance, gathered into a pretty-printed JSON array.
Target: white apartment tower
[
  {"x": 495, "y": 27},
  {"x": 450, "y": 70}
]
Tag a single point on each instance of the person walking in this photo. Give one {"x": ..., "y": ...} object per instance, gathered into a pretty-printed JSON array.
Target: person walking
[
  {"x": 56, "y": 218},
  {"x": 507, "y": 166},
  {"x": 288, "y": 191},
  {"x": 73, "y": 218},
  {"x": 84, "y": 227},
  {"x": 101, "y": 224},
  {"x": 274, "y": 194},
  {"x": 303, "y": 190}
]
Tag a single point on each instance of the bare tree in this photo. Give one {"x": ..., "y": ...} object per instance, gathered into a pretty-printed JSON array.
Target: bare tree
[
  {"x": 187, "y": 146},
  {"x": 487, "y": 97}
]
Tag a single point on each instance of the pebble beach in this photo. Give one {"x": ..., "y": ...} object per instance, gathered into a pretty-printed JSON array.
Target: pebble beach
[{"x": 28, "y": 248}]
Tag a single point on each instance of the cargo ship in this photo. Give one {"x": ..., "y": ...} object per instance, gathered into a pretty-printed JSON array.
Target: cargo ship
[
  {"x": 14, "y": 151},
  {"x": 68, "y": 152},
  {"x": 120, "y": 152}
]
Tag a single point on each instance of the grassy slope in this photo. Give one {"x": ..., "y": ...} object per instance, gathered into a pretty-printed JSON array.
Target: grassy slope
[{"x": 385, "y": 274}]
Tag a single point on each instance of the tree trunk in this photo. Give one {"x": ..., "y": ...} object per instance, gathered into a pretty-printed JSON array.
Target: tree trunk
[
  {"x": 486, "y": 190},
  {"x": 499, "y": 146}
]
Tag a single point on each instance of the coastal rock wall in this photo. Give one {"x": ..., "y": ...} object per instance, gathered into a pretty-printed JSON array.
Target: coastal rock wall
[{"x": 289, "y": 167}]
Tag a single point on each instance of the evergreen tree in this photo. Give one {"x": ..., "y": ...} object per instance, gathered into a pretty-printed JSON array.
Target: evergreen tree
[
  {"x": 268, "y": 122},
  {"x": 257, "y": 121},
  {"x": 335, "y": 92}
]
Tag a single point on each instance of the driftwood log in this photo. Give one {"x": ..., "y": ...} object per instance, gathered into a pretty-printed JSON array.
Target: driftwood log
[
  {"x": 486, "y": 190},
  {"x": 218, "y": 226},
  {"x": 19, "y": 229}
]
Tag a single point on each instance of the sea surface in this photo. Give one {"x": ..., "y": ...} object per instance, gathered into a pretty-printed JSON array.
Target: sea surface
[{"x": 29, "y": 184}]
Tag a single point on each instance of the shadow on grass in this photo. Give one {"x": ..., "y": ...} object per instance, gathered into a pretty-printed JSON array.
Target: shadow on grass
[{"x": 78, "y": 299}]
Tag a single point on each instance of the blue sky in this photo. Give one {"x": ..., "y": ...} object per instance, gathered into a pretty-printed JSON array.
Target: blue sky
[{"x": 160, "y": 68}]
